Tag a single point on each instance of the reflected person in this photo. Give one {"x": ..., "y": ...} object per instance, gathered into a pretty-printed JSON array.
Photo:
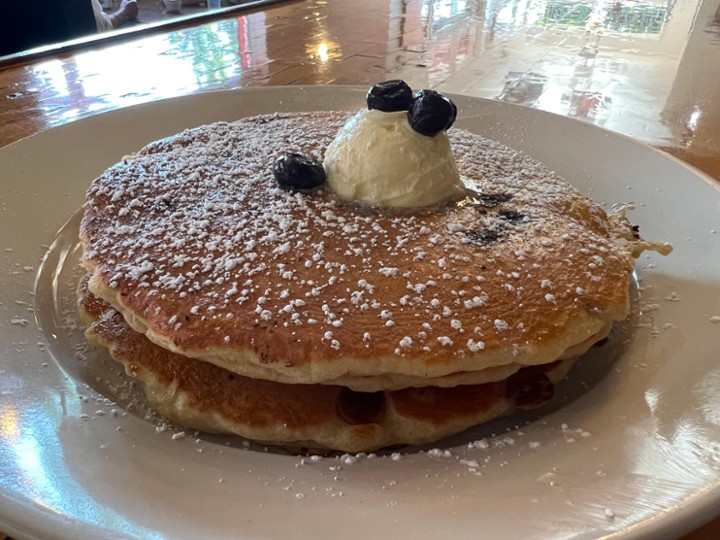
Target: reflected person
[{"x": 128, "y": 12}]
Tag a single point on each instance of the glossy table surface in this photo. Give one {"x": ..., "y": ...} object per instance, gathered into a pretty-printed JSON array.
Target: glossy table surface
[{"x": 647, "y": 70}]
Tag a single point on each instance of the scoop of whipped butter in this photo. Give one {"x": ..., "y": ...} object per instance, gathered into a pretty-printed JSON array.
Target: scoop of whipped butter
[{"x": 377, "y": 158}]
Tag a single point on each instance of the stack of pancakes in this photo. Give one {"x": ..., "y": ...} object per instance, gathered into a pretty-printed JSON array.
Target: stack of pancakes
[{"x": 303, "y": 320}]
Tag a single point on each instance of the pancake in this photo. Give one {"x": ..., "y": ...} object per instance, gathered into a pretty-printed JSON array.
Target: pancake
[
  {"x": 202, "y": 396},
  {"x": 194, "y": 244}
]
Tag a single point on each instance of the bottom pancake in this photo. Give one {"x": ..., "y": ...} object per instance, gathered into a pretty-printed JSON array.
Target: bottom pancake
[{"x": 202, "y": 396}]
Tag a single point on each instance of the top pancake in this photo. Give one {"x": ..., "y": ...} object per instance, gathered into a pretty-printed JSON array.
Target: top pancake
[{"x": 194, "y": 243}]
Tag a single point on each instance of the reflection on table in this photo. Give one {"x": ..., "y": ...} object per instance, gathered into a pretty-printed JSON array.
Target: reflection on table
[{"x": 46, "y": 27}]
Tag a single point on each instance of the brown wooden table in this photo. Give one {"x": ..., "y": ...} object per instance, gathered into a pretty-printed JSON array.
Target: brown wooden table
[{"x": 648, "y": 71}]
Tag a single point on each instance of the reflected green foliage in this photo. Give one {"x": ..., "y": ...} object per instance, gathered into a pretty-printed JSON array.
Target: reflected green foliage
[
  {"x": 209, "y": 46},
  {"x": 566, "y": 12},
  {"x": 623, "y": 16},
  {"x": 637, "y": 19}
]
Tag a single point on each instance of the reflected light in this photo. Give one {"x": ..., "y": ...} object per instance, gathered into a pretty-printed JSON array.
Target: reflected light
[
  {"x": 162, "y": 66},
  {"x": 692, "y": 122},
  {"x": 322, "y": 52},
  {"x": 9, "y": 425},
  {"x": 652, "y": 398},
  {"x": 51, "y": 72},
  {"x": 691, "y": 125},
  {"x": 35, "y": 464},
  {"x": 446, "y": 9},
  {"x": 28, "y": 456}
]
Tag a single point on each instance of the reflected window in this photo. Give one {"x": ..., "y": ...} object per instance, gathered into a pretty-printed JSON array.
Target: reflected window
[
  {"x": 636, "y": 18},
  {"x": 621, "y": 16},
  {"x": 442, "y": 10}
]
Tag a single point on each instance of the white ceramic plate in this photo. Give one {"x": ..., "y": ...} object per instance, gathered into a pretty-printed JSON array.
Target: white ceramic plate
[{"x": 630, "y": 448}]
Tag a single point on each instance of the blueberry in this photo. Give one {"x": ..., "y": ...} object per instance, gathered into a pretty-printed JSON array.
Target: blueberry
[
  {"x": 431, "y": 112},
  {"x": 298, "y": 171},
  {"x": 390, "y": 96},
  {"x": 454, "y": 114}
]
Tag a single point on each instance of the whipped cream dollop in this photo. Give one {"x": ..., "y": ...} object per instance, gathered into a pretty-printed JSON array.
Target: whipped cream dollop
[{"x": 377, "y": 158}]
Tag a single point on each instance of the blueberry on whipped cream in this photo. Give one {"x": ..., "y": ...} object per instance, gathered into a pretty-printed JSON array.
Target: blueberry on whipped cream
[
  {"x": 431, "y": 112},
  {"x": 390, "y": 96},
  {"x": 396, "y": 152}
]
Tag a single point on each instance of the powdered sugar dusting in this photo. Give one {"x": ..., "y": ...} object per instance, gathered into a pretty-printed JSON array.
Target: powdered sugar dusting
[{"x": 198, "y": 217}]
